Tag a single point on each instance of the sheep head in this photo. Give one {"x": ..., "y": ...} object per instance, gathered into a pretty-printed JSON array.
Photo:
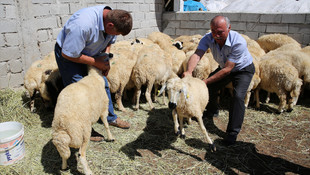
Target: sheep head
[{"x": 177, "y": 92}]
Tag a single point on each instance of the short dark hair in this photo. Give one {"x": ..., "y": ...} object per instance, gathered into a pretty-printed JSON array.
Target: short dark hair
[{"x": 121, "y": 19}]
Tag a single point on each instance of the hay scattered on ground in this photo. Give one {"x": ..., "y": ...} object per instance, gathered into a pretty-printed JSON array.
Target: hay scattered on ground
[{"x": 268, "y": 143}]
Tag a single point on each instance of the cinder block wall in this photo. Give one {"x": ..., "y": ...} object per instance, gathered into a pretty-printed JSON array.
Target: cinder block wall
[
  {"x": 251, "y": 24},
  {"x": 29, "y": 28}
]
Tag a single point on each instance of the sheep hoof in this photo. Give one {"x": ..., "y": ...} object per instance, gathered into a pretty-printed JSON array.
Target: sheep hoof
[
  {"x": 278, "y": 112},
  {"x": 110, "y": 140},
  {"x": 289, "y": 110},
  {"x": 178, "y": 133},
  {"x": 182, "y": 136},
  {"x": 212, "y": 147}
]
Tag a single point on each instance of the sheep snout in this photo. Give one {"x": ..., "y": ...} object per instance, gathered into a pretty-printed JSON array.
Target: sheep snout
[{"x": 172, "y": 105}]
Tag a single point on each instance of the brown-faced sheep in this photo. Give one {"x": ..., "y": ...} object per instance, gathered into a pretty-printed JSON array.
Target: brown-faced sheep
[
  {"x": 80, "y": 105},
  {"x": 33, "y": 76}
]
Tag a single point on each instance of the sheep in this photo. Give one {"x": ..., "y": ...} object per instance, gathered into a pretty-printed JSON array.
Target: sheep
[
  {"x": 119, "y": 75},
  {"x": 80, "y": 105},
  {"x": 279, "y": 77},
  {"x": 300, "y": 60},
  {"x": 273, "y": 41},
  {"x": 50, "y": 87},
  {"x": 189, "y": 42},
  {"x": 165, "y": 42},
  {"x": 254, "y": 48},
  {"x": 153, "y": 67},
  {"x": 33, "y": 76},
  {"x": 188, "y": 97}
]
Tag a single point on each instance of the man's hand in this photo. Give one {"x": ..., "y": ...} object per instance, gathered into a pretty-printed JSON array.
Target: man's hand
[{"x": 103, "y": 65}]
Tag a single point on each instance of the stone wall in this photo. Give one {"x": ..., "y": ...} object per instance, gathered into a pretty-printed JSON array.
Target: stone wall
[
  {"x": 251, "y": 24},
  {"x": 29, "y": 28}
]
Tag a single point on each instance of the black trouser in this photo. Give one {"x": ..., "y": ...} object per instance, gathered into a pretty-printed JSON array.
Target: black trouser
[{"x": 241, "y": 81}]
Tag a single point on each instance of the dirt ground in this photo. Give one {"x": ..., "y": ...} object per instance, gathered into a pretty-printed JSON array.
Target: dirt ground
[{"x": 268, "y": 143}]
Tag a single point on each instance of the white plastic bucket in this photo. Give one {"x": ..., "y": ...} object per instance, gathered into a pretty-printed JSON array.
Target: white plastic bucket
[{"x": 12, "y": 147}]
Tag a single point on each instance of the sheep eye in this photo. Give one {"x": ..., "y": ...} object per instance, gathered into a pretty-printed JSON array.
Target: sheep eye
[{"x": 180, "y": 91}]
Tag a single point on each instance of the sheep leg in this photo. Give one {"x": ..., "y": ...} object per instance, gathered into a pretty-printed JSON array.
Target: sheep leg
[
  {"x": 148, "y": 94},
  {"x": 32, "y": 97},
  {"x": 182, "y": 127},
  {"x": 154, "y": 96},
  {"x": 176, "y": 123},
  {"x": 268, "y": 97},
  {"x": 82, "y": 157},
  {"x": 106, "y": 126},
  {"x": 137, "y": 96},
  {"x": 247, "y": 99},
  {"x": 282, "y": 104},
  {"x": 204, "y": 131},
  {"x": 257, "y": 98},
  {"x": 61, "y": 140},
  {"x": 118, "y": 98}
]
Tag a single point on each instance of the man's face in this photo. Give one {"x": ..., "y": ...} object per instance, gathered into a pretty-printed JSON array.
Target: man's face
[{"x": 220, "y": 32}]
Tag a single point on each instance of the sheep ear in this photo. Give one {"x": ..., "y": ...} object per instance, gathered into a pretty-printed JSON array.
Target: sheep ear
[{"x": 162, "y": 89}]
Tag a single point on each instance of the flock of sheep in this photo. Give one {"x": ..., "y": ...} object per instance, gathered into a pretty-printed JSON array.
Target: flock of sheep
[{"x": 282, "y": 67}]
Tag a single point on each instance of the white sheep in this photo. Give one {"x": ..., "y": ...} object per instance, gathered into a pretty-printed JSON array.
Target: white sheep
[
  {"x": 188, "y": 97},
  {"x": 273, "y": 41},
  {"x": 279, "y": 77},
  {"x": 33, "y": 76},
  {"x": 79, "y": 106},
  {"x": 165, "y": 42},
  {"x": 153, "y": 67},
  {"x": 120, "y": 72},
  {"x": 254, "y": 48}
]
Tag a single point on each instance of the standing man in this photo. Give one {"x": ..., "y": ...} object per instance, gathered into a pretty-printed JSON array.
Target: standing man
[
  {"x": 84, "y": 38},
  {"x": 229, "y": 50}
]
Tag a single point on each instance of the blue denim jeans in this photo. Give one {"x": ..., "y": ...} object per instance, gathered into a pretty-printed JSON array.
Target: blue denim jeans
[{"x": 72, "y": 72}]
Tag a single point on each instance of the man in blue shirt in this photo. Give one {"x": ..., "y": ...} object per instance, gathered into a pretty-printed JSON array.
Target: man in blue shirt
[
  {"x": 229, "y": 50},
  {"x": 84, "y": 38}
]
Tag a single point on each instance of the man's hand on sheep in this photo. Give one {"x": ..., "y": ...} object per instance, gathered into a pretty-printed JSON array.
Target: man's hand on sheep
[{"x": 102, "y": 64}]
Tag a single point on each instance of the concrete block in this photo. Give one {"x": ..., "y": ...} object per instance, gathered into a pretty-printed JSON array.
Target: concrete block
[
  {"x": 169, "y": 16},
  {"x": 256, "y": 27},
  {"x": 182, "y": 16},
  {"x": 294, "y": 18},
  {"x": 8, "y": 26},
  {"x": 252, "y": 35},
  {"x": 188, "y": 24},
  {"x": 60, "y": 9},
  {"x": 7, "y": 2},
  {"x": 240, "y": 26},
  {"x": 150, "y": 16},
  {"x": 202, "y": 24},
  {"x": 233, "y": 16},
  {"x": 43, "y": 1},
  {"x": 180, "y": 32},
  {"x": 152, "y": 7},
  {"x": 306, "y": 40},
  {"x": 140, "y": 33},
  {"x": 16, "y": 80},
  {"x": 10, "y": 12},
  {"x": 2, "y": 42},
  {"x": 144, "y": 7},
  {"x": 169, "y": 31},
  {"x": 3, "y": 68},
  {"x": 12, "y": 39},
  {"x": 68, "y": 1},
  {"x": 46, "y": 47},
  {"x": 46, "y": 22},
  {"x": 4, "y": 82},
  {"x": 270, "y": 18},
  {"x": 249, "y": 17},
  {"x": 43, "y": 35},
  {"x": 122, "y": 6},
  {"x": 144, "y": 24},
  {"x": 198, "y": 16},
  {"x": 9, "y": 53},
  {"x": 277, "y": 28},
  {"x": 75, "y": 7},
  {"x": 38, "y": 10},
  {"x": 55, "y": 33},
  {"x": 307, "y": 19},
  {"x": 295, "y": 28},
  {"x": 64, "y": 19},
  {"x": 2, "y": 11},
  {"x": 16, "y": 66},
  {"x": 139, "y": 16}
]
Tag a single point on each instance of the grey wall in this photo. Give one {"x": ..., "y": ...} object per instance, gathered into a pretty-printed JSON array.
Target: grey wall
[
  {"x": 251, "y": 24},
  {"x": 28, "y": 29}
]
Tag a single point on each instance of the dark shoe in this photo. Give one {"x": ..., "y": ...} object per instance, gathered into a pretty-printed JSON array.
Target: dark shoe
[
  {"x": 95, "y": 136},
  {"x": 120, "y": 123},
  {"x": 230, "y": 140},
  {"x": 208, "y": 114}
]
